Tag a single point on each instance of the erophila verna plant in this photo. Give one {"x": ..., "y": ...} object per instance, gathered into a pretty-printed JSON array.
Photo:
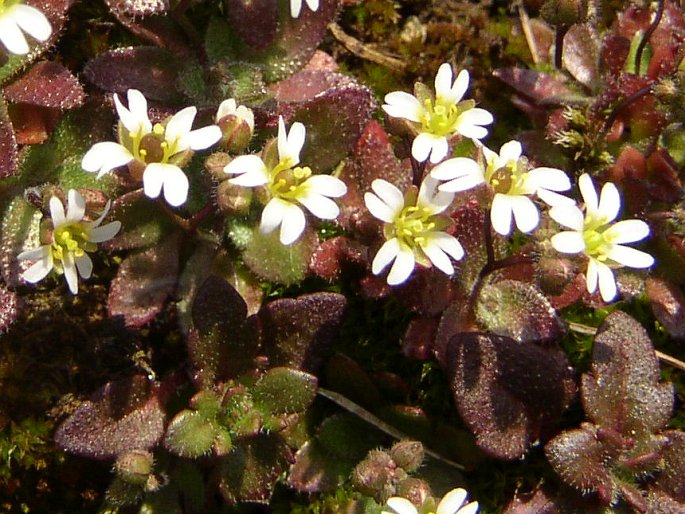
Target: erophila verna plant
[{"x": 353, "y": 256}]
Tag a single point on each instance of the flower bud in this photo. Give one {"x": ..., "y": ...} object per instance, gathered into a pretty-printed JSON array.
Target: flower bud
[
  {"x": 135, "y": 466},
  {"x": 237, "y": 126},
  {"x": 215, "y": 164},
  {"x": 562, "y": 13},
  {"x": 408, "y": 455},
  {"x": 371, "y": 476},
  {"x": 415, "y": 490},
  {"x": 232, "y": 198}
]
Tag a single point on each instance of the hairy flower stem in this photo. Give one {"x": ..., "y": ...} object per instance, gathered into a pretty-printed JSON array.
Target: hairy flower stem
[
  {"x": 559, "y": 46},
  {"x": 418, "y": 169},
  {"x": 648, "y": 35},
  {"x": 190, "y": 224},
  {"x": 622, "y": 105}
]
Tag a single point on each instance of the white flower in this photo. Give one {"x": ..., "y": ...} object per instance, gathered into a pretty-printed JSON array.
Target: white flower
[
  {"x": 16, "y": 18},
  {"x": 413, "y": 229},
  {"x": 288, "y": 185},
  {"x": 231, "y": 108},
  {"x": 296, "y": 6},
  {"x": 507, "y": 173},
  {"x": 594, "y": 235},
  {"x": 439, "y": 118},
  {"x": 451, "y": 503},
  {"x": 71, "y": 238},
  {"x": 158, "y": 149}
]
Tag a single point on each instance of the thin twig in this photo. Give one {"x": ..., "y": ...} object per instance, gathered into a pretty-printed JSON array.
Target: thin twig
[
  {"x": 528, "y": 33},
  {"x": 364, "y": 51},
  {"x": 623, "y": 104},
  {"x": 663, "y": 357},
  {"x": 648, "y": 34},
  {"x": 381, "y": 425}
]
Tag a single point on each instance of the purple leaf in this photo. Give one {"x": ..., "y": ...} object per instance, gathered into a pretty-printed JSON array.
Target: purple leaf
[
  {"x": 122, "y": 416},
  {"x": 518, "y": 310},
  {"x": 334, "y": 108},
  {"x": 143, "y": 283},
  {"x": 153, "y": 71},
  {"x": 668, "y": 305},
  {"x": 221, "y": 343},
  {"x": 509, "y": 394},
  {"x": 315, "y": 471},
  {"x": 622, "y": 391},
  {"x": 581, "y": 54},
  {"x": 297, "y": 331},
  {"x": 544, "y": 501},
  {"x": 47, "y": 84},
  {"x": 8, "y": 144},
  {"x": 133, "y": 8},
  {"x": 9, "y": 308},
  {"x": 536, "y": 86},
  {"x": 670, "y": 479}
]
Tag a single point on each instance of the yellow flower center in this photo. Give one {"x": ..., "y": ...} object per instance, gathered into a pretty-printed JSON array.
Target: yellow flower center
[
  {"x": 508, "y": 179},
  {"x": 153, "y": 146},
  {"x": 286, "y": 182},
  {"x": 440, "y": 118},
  {"x": 73, "y": 238},
  {"x": 412, "y": 224}
]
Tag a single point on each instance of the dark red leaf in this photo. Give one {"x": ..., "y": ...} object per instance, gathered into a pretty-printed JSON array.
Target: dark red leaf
[
  {"x": 8, "y": 144},
  {"x": 47, "y": 84}
]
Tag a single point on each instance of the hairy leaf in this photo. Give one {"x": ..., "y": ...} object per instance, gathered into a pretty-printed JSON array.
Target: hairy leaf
[
  {"x": 47, "y": 84},
  {"x": 20, "y": 232},
  {"x": 508, "y": 393},
  {"x": 284, "y": 391},
  {"x": 138, "y": 7},
  {"x": 8, "y": 143},
  {"x": 143, "y": 283},
  {"x": 122, "y": 416},
  {"x": 297, "y": 331}
]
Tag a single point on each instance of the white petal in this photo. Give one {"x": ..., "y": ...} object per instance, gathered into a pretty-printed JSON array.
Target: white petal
[
  {"x": 439, "y": 259},
  {"x": 451, "y": 502},
  {"x": 459, "y": 87},
  {"x": 399, "y": 104},
  {"x": 568, "y": 242},
  {"x": 76, "y": 207},
  {"x": 272, "y": 215},
  {"x": 526, "y": 213},
  {"x": 607, "y": 282},
  {"x": 104, "y": 212},
  {"x": 469, "y": 123},
  {"x": 40, "y": 269},
  {"x": 471, "y": 508},
  {"x": 327, "y": 185},
  {"x": 252, "y": 169},
  {"x": 425, "y": 144},
  {"x": 226, "y": 107},
  {"x": 378, "y": 208},
  {"x": 179, "y": 125},
  {"x": 32, "y": 21},
  {"x": 568, "y": 215},
  {"x": 449, "y": 244},
  {"x": 153, "y": 180},
  {"x": 627, "y": 231},
  {"x": 295, "y": 8},
  {"x": 402, "y": 505},
  {"x": 12, "y": 36},
  {"x": 500, "y": 214},
  {"x": 386, "y": 254},
  {"x": 204, "y": 137},
  {"x": 455, "y": 168},
  {"x": 609, "y": 202},
  {"x": 432, "y": 198},
  {"x": 443, "y": 82},
  {"x": 105, "y": 232},
  {"x": 135, "y": 118},
  {"x": 440, "y": 149},
  {"x": 290, "y": 144},
  {"x": 70, "y": 272},
  {"x": 389, "y": 194},
  {"x": 84, "y": 266},
  {"x": 313, "y": 4},
  {"x": 549, "y": 178},
  {"x": 293, "y": 223},
  {"x": 554, "y": 199},
  {"x": 104, "y": 157},
  {"x": 320, "y": 206},
  {"x": 630, "y": 256},
  {"x": 402, "y": 267},
  {"x": 57, "y": 212},
  {"x": 589, "y": 193},
  {"x": 592, "y": 275},
  {"x": 510, "y": 151},
  {"x": 174, "y": 182},
  {"x": 36, "y": 253}
]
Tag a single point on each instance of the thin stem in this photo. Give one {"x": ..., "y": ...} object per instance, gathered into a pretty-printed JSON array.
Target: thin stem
[
  {"x": 381, "y": 425},
  {"x": 663, "y": 357},
  {"x": 648, "y": 34},
  {"x": 623, "y": 104},
  {"x": 559, "y": 46},
  {"x": 191, "y": 224}
]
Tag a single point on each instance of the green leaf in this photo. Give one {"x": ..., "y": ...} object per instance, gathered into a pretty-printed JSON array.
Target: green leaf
[
  {"x": 284, "y": 391},
  {"x": 190, "y": 434}
]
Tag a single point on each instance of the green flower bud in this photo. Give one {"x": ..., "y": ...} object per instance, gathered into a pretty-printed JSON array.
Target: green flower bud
[
  {"x": 408, "y": 455},
  {"x": 135, "y": 466}
]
